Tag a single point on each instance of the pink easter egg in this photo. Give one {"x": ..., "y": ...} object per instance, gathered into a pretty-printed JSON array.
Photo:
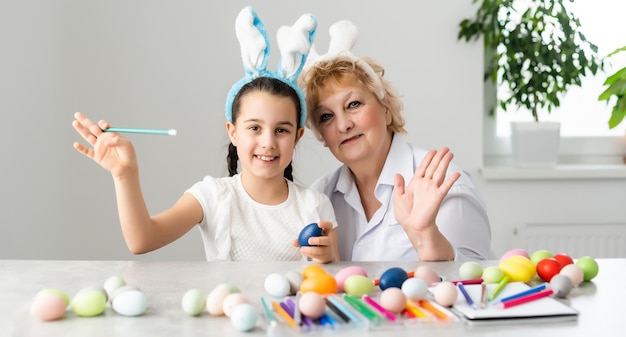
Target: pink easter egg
[
  {"x": 342, "y": 275},
  {"x": 515, "y": 251},
  {"x": 48, "y": 307},
  {"x": 427, "y": 274}
]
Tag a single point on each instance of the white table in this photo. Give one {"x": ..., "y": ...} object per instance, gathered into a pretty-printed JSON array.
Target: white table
[{"x": 600, "y": 303}]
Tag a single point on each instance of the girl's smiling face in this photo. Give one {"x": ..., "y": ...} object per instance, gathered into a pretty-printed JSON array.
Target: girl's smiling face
[
  {"x": 265, "y": 134},
  {"x": 352, "y": 122}
]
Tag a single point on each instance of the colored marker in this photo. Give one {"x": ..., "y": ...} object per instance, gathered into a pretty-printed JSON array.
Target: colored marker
[
  {"x": 166, "y": 132},
  {"x": 532, "y": 290},
  {"x": 430, "y": 307},
  {"x": 483, "y": 295},
  {"x": 414, "y": 310},
  {"x": 379, "y": 307},
  {"x": 332, "y": 300},
  {"x": 268, "y": 312},
  {"x": 527, "y": 298},
  {"x": 468, "y": 298},
  {"x": 337, "y": 311},
  {"x": 284, "y": 314},
  {"x": 499, "y": 288},
  {"x": 470, "y": 281},
  {"x": 363, "y": 309}
]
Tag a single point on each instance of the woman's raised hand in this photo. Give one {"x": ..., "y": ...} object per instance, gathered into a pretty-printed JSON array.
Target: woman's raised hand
[
  {"x": 109, "y": 149},
  {"x": 417, "y": 205}
]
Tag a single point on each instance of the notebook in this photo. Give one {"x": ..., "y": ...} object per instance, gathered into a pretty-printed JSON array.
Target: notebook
[{"x": 543, "y": 308}]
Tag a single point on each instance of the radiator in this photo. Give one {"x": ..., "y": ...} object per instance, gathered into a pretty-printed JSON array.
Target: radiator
[{"x": 596, "y": 240}]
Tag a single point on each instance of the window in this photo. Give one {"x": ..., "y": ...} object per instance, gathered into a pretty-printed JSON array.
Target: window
[{"x": 584, "y": 120}]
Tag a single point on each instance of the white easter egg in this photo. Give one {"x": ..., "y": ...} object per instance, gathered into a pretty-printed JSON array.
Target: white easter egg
[
  {"x": 132, "y": 302},
  {"x": 244, "y": 317}
]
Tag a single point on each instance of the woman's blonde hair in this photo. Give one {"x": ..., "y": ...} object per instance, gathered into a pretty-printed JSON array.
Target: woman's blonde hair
[{"x": 343, "y": 67}]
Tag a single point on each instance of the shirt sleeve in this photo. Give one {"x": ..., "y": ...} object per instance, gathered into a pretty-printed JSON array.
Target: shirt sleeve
[{"x": 463, "y": 220}]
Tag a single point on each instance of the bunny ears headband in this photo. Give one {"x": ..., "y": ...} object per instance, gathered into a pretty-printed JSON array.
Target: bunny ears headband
[{"x": 294, "y": 43}]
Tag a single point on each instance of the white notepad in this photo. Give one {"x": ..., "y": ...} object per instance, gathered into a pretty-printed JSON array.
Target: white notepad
[{"x": 547, "y": 307}]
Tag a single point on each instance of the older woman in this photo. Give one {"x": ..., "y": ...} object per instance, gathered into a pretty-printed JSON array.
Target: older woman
[{"x": 392, "y": 201}]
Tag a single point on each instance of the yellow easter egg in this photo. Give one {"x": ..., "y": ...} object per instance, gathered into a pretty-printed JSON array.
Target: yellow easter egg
[{"x": 518, "y": 268}]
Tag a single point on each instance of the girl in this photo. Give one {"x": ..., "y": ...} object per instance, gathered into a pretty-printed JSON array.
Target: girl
[{"x": 253, "y": 215}]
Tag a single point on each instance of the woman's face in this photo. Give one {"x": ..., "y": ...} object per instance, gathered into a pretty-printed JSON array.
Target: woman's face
[
  {"x": 265, "y": 134},
  {"x": 353, "y": 123}
]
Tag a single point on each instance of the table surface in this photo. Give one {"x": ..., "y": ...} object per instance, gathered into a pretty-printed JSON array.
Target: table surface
[{"x": 600, "y": 302}]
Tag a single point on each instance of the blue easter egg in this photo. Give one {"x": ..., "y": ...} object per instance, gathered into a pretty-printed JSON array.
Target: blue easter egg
[
  {"x": 310, "y": 230},
  {"x": 392, "y": 278}
]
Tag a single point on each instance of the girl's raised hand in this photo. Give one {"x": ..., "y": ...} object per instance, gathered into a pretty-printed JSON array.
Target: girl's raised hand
[{"x": 109, "y": 149}]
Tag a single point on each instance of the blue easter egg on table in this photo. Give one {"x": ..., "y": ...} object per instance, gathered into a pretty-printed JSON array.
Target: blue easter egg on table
[
  {"x": 393, "y": 278},
  {"x": 310, "y": 230}
]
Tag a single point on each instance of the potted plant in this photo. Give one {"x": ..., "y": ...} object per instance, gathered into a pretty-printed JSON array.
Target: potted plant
[
  {"x": 537, "y": 51},
  {"x": 616, "y": 88}
]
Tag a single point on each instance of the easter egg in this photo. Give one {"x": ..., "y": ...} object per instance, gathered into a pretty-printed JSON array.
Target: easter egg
[
  {"x": 112, "y": 283},
  {"x": 310, "y": 230},
  {"x": 415, "y": 288},
  {"x": 244, "y": 317},
  {"x": 54, "y": 291},
  {"x": 344, "y": 273},
  {"x": 393, "y": 277},
  {"x": 215, "y": 299},
  {"x": 539, "y": 255},
  {"x": 547, "y": 268},
  {"x": 427, "y": 274},
  {"x": 232, "y": 301},
  {"x": 89, "y": 302},
  {"x": 193, "y": 302},
  {"x": 312, "y": 269},
  {"x": 445, "y": 293},
  {"x": 393, "y": 299},
  {"x": 518, "y": 268},
  {"x": 574, "y": 272},
  {"x": 321, "y": 283},
  {"x": 358, "y": 285},
  {"x": 513, "y": 252},
  {"x": 132, "y": 302},
  {"x": 294, "y": 279},
  {"x": 277, "y": 285},
  {"x": 470, "y": 270},
  {"x": 48, "y": 306},
  {"x": 561, "y": 285},
  {"x": 492, "y": 274},
  {"x": 564, "y": 259},
  {"x": 589, "y": 266},
  {"x": 312, "y": 305}
]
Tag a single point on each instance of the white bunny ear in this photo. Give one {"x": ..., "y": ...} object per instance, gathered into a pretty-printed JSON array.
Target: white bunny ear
[
  {"x": 295, "y": 43},
  {"x": 253, "y": 41},
  {"x": 343, "y": 37}
]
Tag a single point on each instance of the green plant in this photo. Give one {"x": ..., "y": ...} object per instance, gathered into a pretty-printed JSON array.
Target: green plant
[
  {"x": 616, "y": 88},
  {"x": 538, "y": 50}
]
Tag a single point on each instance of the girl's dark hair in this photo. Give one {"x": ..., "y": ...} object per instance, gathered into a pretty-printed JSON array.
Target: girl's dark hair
[{"x": 274, "y": 87}]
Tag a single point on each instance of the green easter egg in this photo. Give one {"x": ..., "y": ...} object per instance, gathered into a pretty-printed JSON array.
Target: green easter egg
[
  {"x": 470, "y": 270},
  {"x": 492, "y": 274},
  {"x": 358, "y": 285},
  {"x": 589, "y": 266},
  {"x": 194, "y": 302},
  {"x": 88, "y": 303}
]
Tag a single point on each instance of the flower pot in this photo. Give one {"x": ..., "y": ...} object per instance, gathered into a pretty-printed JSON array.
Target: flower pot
[{"x": 535, "y": 144}]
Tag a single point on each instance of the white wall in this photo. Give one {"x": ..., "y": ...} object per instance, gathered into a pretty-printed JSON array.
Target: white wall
[{"x": 169, "y": 64}]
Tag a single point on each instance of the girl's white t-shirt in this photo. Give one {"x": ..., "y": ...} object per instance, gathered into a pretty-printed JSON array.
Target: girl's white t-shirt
[{"x": 235, "y": 227}]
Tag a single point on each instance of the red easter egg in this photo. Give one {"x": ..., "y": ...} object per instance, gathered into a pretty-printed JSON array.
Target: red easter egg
[
  {"x": 547, "y": 268},
  {"x": 564, "y": 259}
]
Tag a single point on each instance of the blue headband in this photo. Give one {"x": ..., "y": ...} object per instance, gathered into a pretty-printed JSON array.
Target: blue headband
[{"x": 294, "y": 43}]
